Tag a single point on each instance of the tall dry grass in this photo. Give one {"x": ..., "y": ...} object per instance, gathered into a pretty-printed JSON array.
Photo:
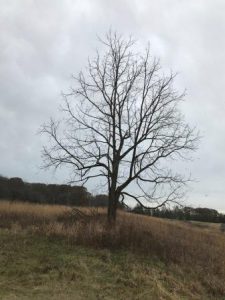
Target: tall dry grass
[{"x": 199, "y": 251}]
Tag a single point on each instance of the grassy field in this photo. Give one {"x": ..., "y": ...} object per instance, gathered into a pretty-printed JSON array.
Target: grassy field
[{"x": 50, "y": 252}]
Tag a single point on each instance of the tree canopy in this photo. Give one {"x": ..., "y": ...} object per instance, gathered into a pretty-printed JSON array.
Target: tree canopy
[{"x": 122, "y": 126}]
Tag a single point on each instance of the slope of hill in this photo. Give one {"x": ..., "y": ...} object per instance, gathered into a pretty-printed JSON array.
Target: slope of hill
[{"x": 54, "y": 252}]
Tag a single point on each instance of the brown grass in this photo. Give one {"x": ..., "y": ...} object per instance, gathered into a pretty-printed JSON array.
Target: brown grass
[{"x": 199, "y": 251}]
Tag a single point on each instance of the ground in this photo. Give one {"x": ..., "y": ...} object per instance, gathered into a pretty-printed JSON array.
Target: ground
[
  {"x": 51, "y": 252},
  {"x": 37, "y": 267}
]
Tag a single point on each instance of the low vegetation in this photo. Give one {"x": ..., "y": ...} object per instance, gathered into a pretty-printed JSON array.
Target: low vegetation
[{"x": 67, "y": 250}]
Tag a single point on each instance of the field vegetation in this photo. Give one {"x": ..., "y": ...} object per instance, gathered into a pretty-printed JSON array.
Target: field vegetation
[{"x": 59, "y": 252}]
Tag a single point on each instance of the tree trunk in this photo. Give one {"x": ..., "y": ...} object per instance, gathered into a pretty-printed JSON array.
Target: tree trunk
[
  {"x": 112, "y": 207},
  {"x": 113, "y": 195}
]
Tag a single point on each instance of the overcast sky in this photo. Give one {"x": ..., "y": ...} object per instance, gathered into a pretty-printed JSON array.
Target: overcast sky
[{"x": 43, "y": 42}]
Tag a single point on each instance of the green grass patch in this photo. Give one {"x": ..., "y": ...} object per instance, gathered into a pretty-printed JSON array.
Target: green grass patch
[{"x": 39, "y": 267}]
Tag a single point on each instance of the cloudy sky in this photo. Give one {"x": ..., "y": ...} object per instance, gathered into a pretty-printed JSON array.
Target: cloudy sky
[{"x": 43, "y": 42}]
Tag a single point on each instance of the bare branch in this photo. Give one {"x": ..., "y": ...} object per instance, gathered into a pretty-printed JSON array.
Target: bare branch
[{"x": 123, "y": 126}]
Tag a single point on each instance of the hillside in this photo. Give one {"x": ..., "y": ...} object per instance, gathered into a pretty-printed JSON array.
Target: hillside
[{"x": 52, "y": 252}]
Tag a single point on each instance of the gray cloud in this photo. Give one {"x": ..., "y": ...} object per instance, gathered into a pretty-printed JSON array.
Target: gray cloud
[{"x": 43, "y": 42}]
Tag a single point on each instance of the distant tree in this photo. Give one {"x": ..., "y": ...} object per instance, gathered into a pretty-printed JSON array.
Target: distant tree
[
  {"x": 206, "y": 214},
  {"x": 5, "y": 192},
  {"x": 79, "y": 196},
  {"x": 100, "y": 200},
  {"x": 122, "y": 126},
  {"x": 138, "y": 209},
  {"x": 16, "y": 186}
]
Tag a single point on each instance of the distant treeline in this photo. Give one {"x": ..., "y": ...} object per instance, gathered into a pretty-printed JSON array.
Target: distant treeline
[
  {"x": 184, "y": 213},
  {"x": 16, "y": 189}
]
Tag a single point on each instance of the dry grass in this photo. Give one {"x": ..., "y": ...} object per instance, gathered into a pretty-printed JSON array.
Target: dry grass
[{"x": 201, "y": 252}]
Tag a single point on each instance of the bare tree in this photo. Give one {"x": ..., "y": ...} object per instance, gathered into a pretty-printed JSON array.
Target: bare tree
[{"x": 123, "y": 127}]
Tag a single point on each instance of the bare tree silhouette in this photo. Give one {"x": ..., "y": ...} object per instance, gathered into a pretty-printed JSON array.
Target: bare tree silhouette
[{"x": 122, "y": 124}]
